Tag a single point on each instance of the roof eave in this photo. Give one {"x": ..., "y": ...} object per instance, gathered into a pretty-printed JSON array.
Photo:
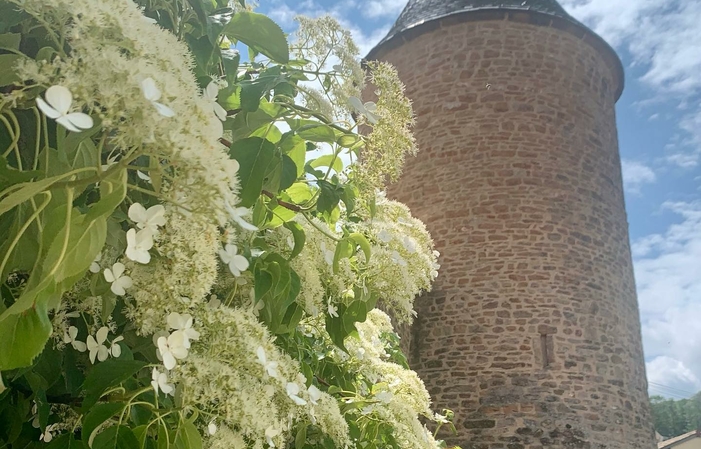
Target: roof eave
[{"x": 524, "y": 15}]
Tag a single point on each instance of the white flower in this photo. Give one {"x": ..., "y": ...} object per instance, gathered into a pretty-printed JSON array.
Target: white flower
[
  {"x": 95, "y": 265},
  {"x": 152, "y": 93},
  {"x": 138, "y": 244},
  {"x": 384, "y": 236},
  {"x": 213, "y": 302},
  {"x": 149, "y": 219},
  {"x": 115, "y": 349},
  {"x": 384, "y": 396},
  {"x": 236, "y": 262},
  {"x": 212, "y": 428},
  {"x": 143, "y": 176},
  {"x": 96, "y": 345},
  {"x": 398, "y": 259},
  {"x": 409, "y": 244},
  {"x": 47, "y": 436},
  {"x": 333, "y": 310},
  {"x": 271, "y": 433},
  {"x": 118, "y": 282},
  {"x": 237, "y": 215},
  {"x": 210, "y": 94},
  {"x": 58, "y": 103},
  {"x": 440, "y": 418},
  {"x": 172, "y": 348},
  {"x": 183, "y": 323},
  {"x": 69, "y": 337},
  {"x": 293, "y": 392},
  {"x": 368, "y": 109},
  {"x": 328, "y": 254},
  {"x": 159, "y": 380},
  {"x": 269, "y": 366},
  {"x": 314, "y": 394}
]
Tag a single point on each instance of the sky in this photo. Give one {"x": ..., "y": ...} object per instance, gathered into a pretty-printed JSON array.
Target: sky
[{"x": 659, "y": 123}]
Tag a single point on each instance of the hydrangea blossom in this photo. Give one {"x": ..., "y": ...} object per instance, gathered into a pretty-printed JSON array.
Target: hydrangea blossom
[
  {"x": 96, "y": 345},
  {"x": 147, "y": 219},
  {"x": 58, "y": 103},
  {"x": 138, "y": 245},
  {"x": 118, "y": 282}
]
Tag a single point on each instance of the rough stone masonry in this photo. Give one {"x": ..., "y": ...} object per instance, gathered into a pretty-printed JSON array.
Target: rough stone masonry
[{"x": 532, "y": 333}]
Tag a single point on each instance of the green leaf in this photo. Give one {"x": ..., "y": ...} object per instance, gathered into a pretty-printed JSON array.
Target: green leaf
[
  {"x": 230, "y": 60},
  {"x": 187, "y": 436},
  {"x": 10, "y": 41},
  {"x": 116, "y": 437},
  {"x": 64, "y": 441},
  {"x": 289, "y": 172},
  {"x": 362, "y": 241},
  {"x": 298, "y": 236},
  {"x": 141, "y": 434},
  {"x": 10, "y": 176},
  {"x": 328, "y": 160},
  {"x": 348, "y": 197},
  {"x": 294, "y": 147},
  {"x": 329, "y": 197},
  {"x": 252, "y": 91},
  {"x": 8, "y": 74},
  {"x": 255, "y": 156},
  {"x": 23, "y": 336},
  {"x": 301, "y": 437},
  {"x": 105, "y": 375},
  {"x": 344, "y": 249},
  {"x": 25, "y": 191},
  {"x": 317, "y": 132},
  {"x": 259, "y": 33},
  {"x": 299, "y": 192},
  {"x": 98, "y": 414}
]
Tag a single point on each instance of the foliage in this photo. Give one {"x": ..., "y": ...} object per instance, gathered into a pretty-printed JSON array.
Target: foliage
[
  {"x": 676, "y": 417},
  {"x": 189, "y": 257}
]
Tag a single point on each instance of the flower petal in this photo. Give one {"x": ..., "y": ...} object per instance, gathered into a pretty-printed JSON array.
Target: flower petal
[
  {"x": 164, "y": 110},
  {"x": 118, "y": 270},
  {"x": 137, "y": 213},
  {"x": 60, "y": 98},
  {"x": 116, "y": 350},
  {"x": 150, "y": 90},
  {"x": 80, "y": 120},
  {"x": 168, "y": 360},
  {"x": 102, "y": 353},
  {"x": 101, "y": 334},
  {"x": 211, "y": 91},
  {"x": 220, "y": 112},
  {"x": 79, "y": 346},
  {"x": 47, "y": 110},
  {"x": 63, "y": 121}
]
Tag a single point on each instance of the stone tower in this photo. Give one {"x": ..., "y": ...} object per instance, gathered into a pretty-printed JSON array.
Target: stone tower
[{"x": 532, "y": 332}]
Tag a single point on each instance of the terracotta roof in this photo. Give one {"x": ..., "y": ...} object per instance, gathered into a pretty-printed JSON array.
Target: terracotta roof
[{"x": 680, "y": 439}]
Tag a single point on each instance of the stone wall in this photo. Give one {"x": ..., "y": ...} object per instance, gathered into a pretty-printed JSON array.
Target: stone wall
[{"x": 532, "y": 332}]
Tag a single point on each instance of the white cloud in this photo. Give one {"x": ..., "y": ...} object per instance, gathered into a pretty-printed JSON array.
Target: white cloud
[
  {"x": 662, "y": 38},
  {"x": 670, "y": 377},
  {"x": 635, "y": 175},
  {"x": 668, "y": 276},
  {"x": 382, "y": 8}
]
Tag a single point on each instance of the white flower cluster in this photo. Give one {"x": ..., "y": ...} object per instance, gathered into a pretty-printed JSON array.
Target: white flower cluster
[
  {"x": 403, "y": 262},
  {"x": 237, "y": 374},
  {"x": 398, "y": 396},
  {"x": 137, "y": 79}
]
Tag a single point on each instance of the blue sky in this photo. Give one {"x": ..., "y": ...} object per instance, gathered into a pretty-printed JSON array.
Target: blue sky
[{"x": 659, "y": 122}]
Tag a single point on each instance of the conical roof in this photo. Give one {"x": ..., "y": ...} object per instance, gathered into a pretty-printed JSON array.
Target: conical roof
[
  {"x": 419, "y": 16},
  {"x": 417, "y": 12}
]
